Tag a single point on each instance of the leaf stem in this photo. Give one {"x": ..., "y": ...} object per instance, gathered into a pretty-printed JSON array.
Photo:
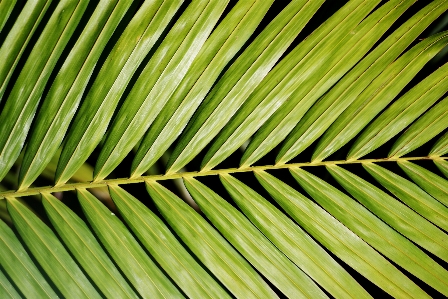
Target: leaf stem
[{"x": 179, "y": 175}]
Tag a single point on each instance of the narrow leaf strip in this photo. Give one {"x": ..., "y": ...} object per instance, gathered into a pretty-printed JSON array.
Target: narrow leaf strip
[
  {"x": 86, "y": 249},
  {"x": 50, "y": 253},
  {"x": 240, "y": 80},
  {"x": 441, "y": 146},
  {"x": 323, "y": 113},
  {"x": 21, "y": 105},
  {"x": 66, "y": 91},
  {"x": 7, "y": 289},
  {"x": 252, "y": 244},
  {"x": 352, "y": 249},
  {"x": 293, "y": 241},
  {"x": 401, "y": 113},
  {"x": 373, "y": 231},
  {"x": 424, "y": 129},
  {"x": 428, "y": 181},
  {"x": 209, "y": 246},
  {"x": 138, "y": 267},
  {"x": 18, "y": 38},
  {"x": 6, "y": 8},
  {"x": 394, "y": 213},
  {"x": 158, "y": 81},
  {"x": 411, "y": 195},
  {"x": 318, "y": 72},
  {"x": 224, "y": 43},
  {"x": 443, "y": 167},
  {"x": 165, "y": 248},
  {"x": 378, "y": 95},
  {"x": 94, "y": 115},
  {"x": 20, "y": 268}
]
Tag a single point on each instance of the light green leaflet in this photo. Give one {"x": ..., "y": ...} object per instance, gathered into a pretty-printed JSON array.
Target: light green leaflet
[
  {"x": 19, "y": 109},
  {"x": 411, "y": 195},
  {"x": 209, "y": 246},
  {"x": 50, "y": 253},
  {"x": 224, "y": 43},
  {"x": 240, "y": 80},
  {"x": 378, "y": 95},
  {"x": 323, "y": 113},
  {"x": 6, "y": 288},
  {"x": 424, "y": 129},
  {"x": 373, "y": 231},
  {"x": 316, "y": 73},
  {"x": 352, "y": 249},
  {"x": 393, "y": 212},
  {"x": 443, "y": 167},
  {"x": 165, "y": 248},
  {"x": 441, "y": 146},
  {"x": 157, "y": 82},
  {"x": 6, "y": 8},
  {"x": 67, "y": 88},
  {"x": 401, "y": 113},
  {"x": 93, "y": 117},
  {"x": 85, "y": 248},
  {"x": 20, "y": 268},
  {"x": 427, "y": 180},
  {"x": 18, "y": 37},
  {"x": 138, "y": 267},
  {"x": 293, "y": 241},
  {"x": 252, "y": 244}
]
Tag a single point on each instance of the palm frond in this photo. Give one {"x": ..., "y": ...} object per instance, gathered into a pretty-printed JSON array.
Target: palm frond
[{"x": 99, "y": 96}]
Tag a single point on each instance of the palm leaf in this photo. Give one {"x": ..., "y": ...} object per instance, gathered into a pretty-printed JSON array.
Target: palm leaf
[{"x": 107, "y": 93}]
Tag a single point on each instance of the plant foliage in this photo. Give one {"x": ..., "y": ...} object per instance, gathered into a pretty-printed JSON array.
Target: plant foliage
[{"x": 166, "y": 130}]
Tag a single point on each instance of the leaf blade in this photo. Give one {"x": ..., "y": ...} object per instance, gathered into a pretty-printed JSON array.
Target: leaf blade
[
  {"x": 214, "y": 252},
  {"x": 86, "y": 249},
  {"x": 165, "y": 248},
  {"x": 20, "y": 268},
  {"x": 293, "y": 242},
  {"x": 50, "y": 253},
  {"x": 140, "y": 270},
  {"x": 252, "y": 244}
]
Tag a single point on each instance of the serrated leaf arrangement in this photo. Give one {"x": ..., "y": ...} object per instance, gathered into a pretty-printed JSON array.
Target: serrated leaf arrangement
[{"x": 223, "y": 149}]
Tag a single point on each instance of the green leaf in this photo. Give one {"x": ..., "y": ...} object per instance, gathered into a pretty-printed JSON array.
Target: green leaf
[
  {"x": 401, "y": 113},
  {"x": 226, "y": 40},
  {"x": 164, "y": 247},
  {"x": 252, "y": 244},
  {"x": 6, "y": 8},
  {"x": 424, "y": 129},
  {"x": 298, "y": 246},
  {"x": 428, "y": 181},
  {"x": 21, "y": 105},
  {"x": 320, "y": 69},
  {"x": 152, "y": 90},
  {"x": 20, "y": 268},
  {"x": 352, "y": 249},
  {"x": 378, "y": 95},
  {"x": 372, "y": 230},
  {"x": 411, "y": 195},
  {"x": 208, "y": 245},
  {"x": 92, "y": 119},
  {"x": 441, "y": 146},
  {"x": 6, "y": 288},
  {"x": 18, "y": 37},
  {"x": 86, "y": 249},
  {"x": 66, "y": 91},
  {"x": 240, "y": 80},
  {"x": 323, "y": 113},
  {"x": 394, "y": 213},
  {"x": 138, "y": 267},
  {"x": 50, "y": 253},
  {"x": 443, "y": 167}
]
